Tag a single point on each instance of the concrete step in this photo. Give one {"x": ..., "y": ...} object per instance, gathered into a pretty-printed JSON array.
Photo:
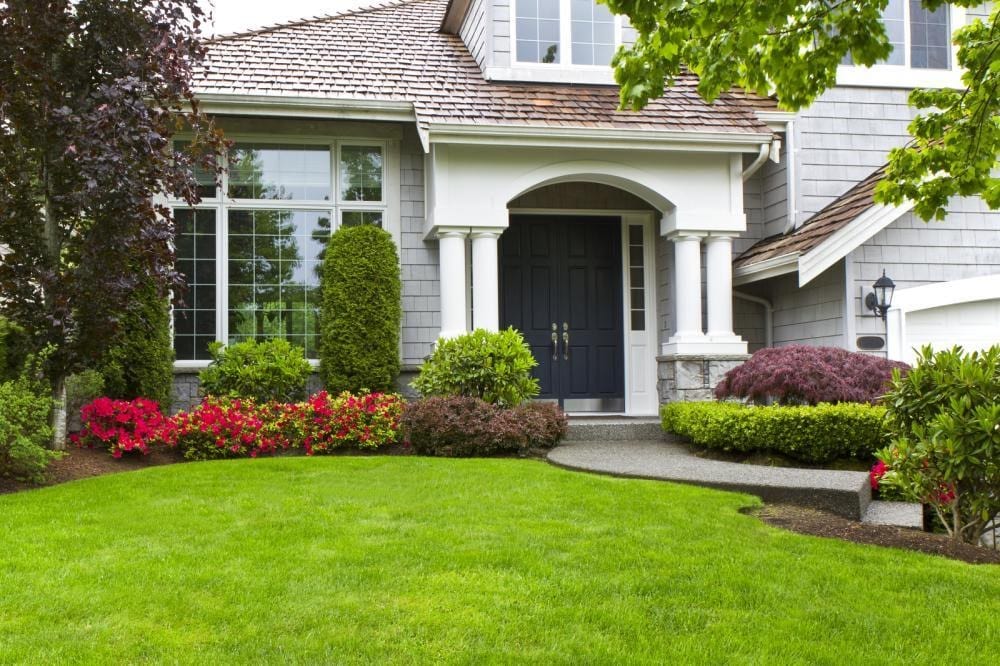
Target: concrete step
[
  {"x": 900, "y": 514},
  {"x": 612, "y": 428}
]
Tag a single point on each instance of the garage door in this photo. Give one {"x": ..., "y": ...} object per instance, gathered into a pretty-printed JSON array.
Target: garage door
[{"x": 974, "y": 325}]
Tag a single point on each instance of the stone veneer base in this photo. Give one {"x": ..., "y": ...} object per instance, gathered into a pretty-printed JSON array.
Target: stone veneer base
[{"x": 693, "y": 377}]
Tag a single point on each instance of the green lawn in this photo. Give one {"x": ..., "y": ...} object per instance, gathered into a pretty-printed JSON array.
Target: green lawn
[{"x": 310, "y": 560}]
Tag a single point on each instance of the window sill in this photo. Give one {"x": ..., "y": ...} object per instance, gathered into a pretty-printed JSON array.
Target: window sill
[
  {"x": 554, "y": 73},
  {"x": 897, "y": 76}
]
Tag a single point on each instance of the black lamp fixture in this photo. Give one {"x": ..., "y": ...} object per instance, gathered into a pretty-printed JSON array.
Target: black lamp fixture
[{"x": 880, "y": 300}]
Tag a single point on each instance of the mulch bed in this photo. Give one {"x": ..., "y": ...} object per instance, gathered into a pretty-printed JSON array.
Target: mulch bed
[
  {"x": 85, "y": 463},
  {"x": 820, "y": 523}
]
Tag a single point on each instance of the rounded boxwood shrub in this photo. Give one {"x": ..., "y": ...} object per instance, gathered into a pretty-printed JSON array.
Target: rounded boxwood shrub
[
  {"x": 361, "y": 311},
  {"x": 464, "y": 426},
  {"x": 268, "y": 370},
  {"x": 139, "y": 361},
  {"x": 814, "y": 434},
  {"x": 801, "y": 374},
  {"x": 495, "y": 367}
]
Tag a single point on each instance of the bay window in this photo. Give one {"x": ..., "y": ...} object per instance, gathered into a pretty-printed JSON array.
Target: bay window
[{"x": 252, "y": 258}]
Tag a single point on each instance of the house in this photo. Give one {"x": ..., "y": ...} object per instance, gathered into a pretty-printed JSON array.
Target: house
[{"x": 642, "y": 254}]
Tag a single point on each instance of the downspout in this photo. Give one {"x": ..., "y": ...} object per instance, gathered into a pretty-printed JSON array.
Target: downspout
[
  {"x": 768, "y": 314},
  {"x": 764, "y": 153}
]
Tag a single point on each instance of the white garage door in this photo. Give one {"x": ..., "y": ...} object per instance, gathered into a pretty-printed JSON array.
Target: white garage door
[{"x": 974, "y": 325}]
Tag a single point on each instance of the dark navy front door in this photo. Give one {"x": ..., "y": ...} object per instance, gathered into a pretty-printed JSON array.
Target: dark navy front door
[{"x": 561, "y": 286}]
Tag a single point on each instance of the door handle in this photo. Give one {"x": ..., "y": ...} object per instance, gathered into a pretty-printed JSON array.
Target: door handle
[
  {"x": 555, "y": 342},
  {"x": 565, "y": 341}
]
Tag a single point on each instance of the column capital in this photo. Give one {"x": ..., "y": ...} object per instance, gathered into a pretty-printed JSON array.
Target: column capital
[
  {"x": 716, "y": 236},
  {"x": 680, "y": 236},
  {"x": 486, "y": 232},
  {"x": 452, "y": 232}
]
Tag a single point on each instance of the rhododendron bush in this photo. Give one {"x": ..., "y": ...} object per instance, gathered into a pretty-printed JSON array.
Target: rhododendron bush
[
  {"x": 233, "y": 427},
  {"x": 945, "y": 451},
  {"x": 800, "y": 374}
]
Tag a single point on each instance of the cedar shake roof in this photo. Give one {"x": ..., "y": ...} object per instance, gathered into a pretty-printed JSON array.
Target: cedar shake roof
[
  {"x": 395, "y": 51},
  {"x": 835, "y": 216}
]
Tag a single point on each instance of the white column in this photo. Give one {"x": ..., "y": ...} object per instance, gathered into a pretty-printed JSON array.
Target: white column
[
  {"x": 485, "y": 280},
  {"x": 687, "y": 287},
  {"x": 451, "y": 258},
  {"x": 719, "y": 265}
]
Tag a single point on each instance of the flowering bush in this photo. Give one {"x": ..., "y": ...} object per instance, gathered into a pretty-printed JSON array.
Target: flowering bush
[
  {"x": 800, "y": 374},
  {"x": 365, "y": 421},
  {"x": 461, "y": 426},
  {"x": 121, "y": 425},
  {"x": 945, "y": 451}
]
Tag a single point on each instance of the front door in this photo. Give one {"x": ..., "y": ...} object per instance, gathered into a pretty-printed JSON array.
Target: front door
[{"x": 561, "y": 286}]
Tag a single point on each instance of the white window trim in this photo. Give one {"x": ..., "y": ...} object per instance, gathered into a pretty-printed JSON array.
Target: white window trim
[
  {"x": 562, "y": 72},
  {"x": 389, "y": 207},
  {"x": 904, "y": 76}
]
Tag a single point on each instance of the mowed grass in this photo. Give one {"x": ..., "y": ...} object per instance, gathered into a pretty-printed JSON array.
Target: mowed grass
[{"x": 410, "y": 560}]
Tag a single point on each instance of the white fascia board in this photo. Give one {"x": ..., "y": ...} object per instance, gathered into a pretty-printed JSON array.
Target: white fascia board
[
  {"x": 769, "y": 268},
  {"x": 306, "y": 107},
  {"x": 940, "y": 294},
  {"x": 777, "y": 121},
  {"x": 842, "y": 241},
  {"x": 525, "y": 135}
]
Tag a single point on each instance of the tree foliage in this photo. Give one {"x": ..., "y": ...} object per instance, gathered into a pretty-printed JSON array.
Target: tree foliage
[
  {"x": 791, "y": 49},
  {"x": 91, "y": 92}
]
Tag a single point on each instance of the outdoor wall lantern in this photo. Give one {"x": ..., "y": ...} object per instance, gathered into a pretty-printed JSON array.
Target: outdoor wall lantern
[{"x": 880, "y": 300}]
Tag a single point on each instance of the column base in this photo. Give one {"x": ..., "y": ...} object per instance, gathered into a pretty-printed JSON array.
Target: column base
[
  {"x": 704, "y": 345},
  {"x": 693, "y": 377}
]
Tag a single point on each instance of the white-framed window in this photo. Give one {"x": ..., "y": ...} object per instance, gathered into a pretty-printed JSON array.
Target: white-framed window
[
  {"x": 251, "y": 252},
  {"x": 922, "y": 52},
  {"x": 578, "y": 33}
]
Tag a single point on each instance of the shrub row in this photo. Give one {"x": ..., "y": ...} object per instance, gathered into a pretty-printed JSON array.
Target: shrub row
[
  {"x": 462, "y": 426},
  {"x": 230, "y": 428},
  {"x": 814, "y": 434},
  {"x": 801, "y": 374}
]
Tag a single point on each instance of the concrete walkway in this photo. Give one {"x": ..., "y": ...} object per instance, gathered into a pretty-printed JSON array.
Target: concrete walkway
[{"x": 845, "y": 493}]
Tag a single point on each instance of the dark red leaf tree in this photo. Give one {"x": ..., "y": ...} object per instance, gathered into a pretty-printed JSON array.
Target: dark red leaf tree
[{"x": 91, "y": 94}]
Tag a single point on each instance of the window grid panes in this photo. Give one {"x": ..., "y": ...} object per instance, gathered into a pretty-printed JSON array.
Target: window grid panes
[
  {"x": 195, "y": 322},
  {"x": 930, "y": 37},
  {"x": 282, "y": 172},
  {"x": 592, "y": 30},
  {"x": 636, "y": 278},
  {"x": 274, "y": 268},
  {"x": 271, "y": 252},
  {"x": 537, "y": 25}
]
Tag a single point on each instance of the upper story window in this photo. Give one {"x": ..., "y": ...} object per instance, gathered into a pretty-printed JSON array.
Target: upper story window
[
  {"x": 920, "y": 39},
  {"x": 568, "y": 32}
]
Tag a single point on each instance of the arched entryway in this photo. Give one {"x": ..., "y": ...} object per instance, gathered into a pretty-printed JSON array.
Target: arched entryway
[{"x": 577, "y": 278}]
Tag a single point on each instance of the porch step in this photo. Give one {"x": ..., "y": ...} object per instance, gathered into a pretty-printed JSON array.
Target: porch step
[
  {"x": 613, "y": 428},
  {"x": 899, "y": 514}
]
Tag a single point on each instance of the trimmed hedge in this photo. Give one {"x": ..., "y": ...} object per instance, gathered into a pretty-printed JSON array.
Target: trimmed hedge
[
  {"x": 267, "y": 370},
  {"x": 814, "y": 434},
  {"x": 802, "y": 374},
  {"x": 140, "y": 359},
  {"x": 463, "y": 426},
  {"x": 361, "y": 311},
  {"x": 494, "y": 366}
]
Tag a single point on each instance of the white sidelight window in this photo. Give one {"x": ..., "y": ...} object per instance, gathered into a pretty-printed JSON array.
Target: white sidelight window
[{"x": 252, "y": 258}]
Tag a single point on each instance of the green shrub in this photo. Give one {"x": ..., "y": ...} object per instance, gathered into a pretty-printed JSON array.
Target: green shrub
[
  {"x": 463, "y": 426},
  {"x": 495, "y": 367},
  {"x": 24, "y": 431},
  {"x": 267, "y": 370},
  {"x": 140, "y": 359},
  {"x": 815, "y": 434},
  {"x": 14, "y": 347},
  {"x": 945, "y": 449},
  {"x": 361, "y": 311},
  {"x": 81, "y": 388}
]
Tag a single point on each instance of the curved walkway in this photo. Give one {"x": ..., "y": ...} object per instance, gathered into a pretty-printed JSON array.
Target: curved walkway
[{"x": 845, "y": 493}]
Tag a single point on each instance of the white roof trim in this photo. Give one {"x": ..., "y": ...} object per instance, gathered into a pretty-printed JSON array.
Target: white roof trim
[
  {"x": 769, "y": 268},
  {"x": 842, "y": 241},
  {"x": 939, "y": 294},
  {"x": 548, "y": 136},
  {"x": 311, "y": 107}
]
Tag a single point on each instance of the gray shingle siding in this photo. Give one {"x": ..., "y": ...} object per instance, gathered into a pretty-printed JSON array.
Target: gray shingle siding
[
  {"x": 502, "y": 48},
  {"x": 418, "y": 257},
  {"x": 476, "y": 31},
  {"x": 812, "y": 314}
]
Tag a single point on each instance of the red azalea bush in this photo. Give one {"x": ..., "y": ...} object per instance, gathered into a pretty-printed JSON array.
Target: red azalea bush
[
  {"x": 230, "y": 428},
  {"x": 800, "y": 374},
  {"x": 463, "y": 426},
  {"x": 122, "y": 425},
  {"x": 365, "y": 421}
]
